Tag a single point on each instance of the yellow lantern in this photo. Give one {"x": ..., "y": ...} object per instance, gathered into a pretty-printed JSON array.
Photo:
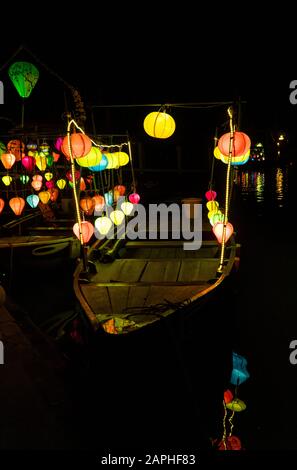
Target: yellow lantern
[
  {"x": 117, "y": 217},
  {"x": 103, "y": 225},
  {"x": 44, "y": 196},
  {"x": 48, "y": 176},
  {"x": 93, "y": 158},
  {"x": 113, "y": 160},
  {"x": 212, "y": 205},
  {"x": 122, "y": 158},
  {"x": 61, "y": 183},
  {"x": 159, "y": 124},
  {"x": 41, "y": 161},
  {"x": 127, "y": 207},
  {"x": 7, "y": 180}
]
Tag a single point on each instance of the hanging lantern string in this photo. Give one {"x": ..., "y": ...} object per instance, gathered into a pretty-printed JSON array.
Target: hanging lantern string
[
  {"x": 224, "y": 426},
  {"x": 231, "y": 423},
  {"x": 230, "y": 113}
]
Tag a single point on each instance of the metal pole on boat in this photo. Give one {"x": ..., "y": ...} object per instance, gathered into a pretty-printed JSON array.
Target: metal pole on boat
[{"x": 221, "y": 266}]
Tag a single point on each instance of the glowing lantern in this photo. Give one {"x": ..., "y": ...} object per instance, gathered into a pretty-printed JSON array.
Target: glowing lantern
[
  {"x": 24, "y": 76},
  {"x": 8, "y": 159},
  {"x": 2, "y": 204},
  {"x": 113, "y": 160},
  {"x": 230, "y": 443},
  {"x": 54, "y": 193},
  {"x": 49, "y": 184},
  {"x": 29, "y": 163},
  {"x": 7, "y": 180},
  {"x": 24, "y": 179},
  {"x": 212, "y": 205},
  {"x": 103, "y": 225},
  {"x": 102, "y": 165},
  {"x": 87, "y": 204},
  {"x": 117, "y": 217},
  {"x": 236, "y": 405},
  {"x": 121, "y": 189},
  {"x": 239, "y": 372},
  {"x": 61, "y": 183},
  {"x": 240, "y": 160},
  {"x": 159, "y": 124},
  {"x": 36, "y": 182},
  {"x": 108, "y": 198},
  {"x": 217, "y": 153},
  {"x": 240, "y": 145},
  {"x": 45, "y": 148},
  {"x": 17, "y": 148},
  {"x": 41, "y": 162},
  {"x": 228, "y": 396},
  {"x": 49, "y": 159},
  {"x": 134, "y": 198},
  {"x": 44, "y": 196},
  {"x": 56, "y": 156},
  {"x": 122, "y": 158},
  {"x": 99, "y": 202},
  {"x": 58, "y": 143},
  {"x": 48, "y": 176},
  {"x": 76, "y": 174},
  {"x": 82, "y": 184},
  {"x": 17, "y": 204},
  {"x": 217, "y": 217},
  {"x": 210, "y": 195},
  {"x": 32, "y": 200},
  {"x": 127, "y": 207},
  {"x": 93, "y": 158},
  {"x": 218, "y": 231},
  {"x": 87, "y": 230},
  {"x": 80, "y": 145}
]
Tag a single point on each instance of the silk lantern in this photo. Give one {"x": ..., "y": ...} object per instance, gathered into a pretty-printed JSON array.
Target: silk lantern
[
  {"x": 134, "y": 198},
  {"x": 103, "y": 225},
  {"x": 218, "y": 231},
  {"x": 24, "y": 179},
  {"x": 54, "y": 193},
  {"x": 93, "y": 158},
  {"x": 44, "y": 196},
  {"x": 240, "y": 145},
  {"x": 16, "y": 147},
  {"x": 102, "y": 165},
  {"x": 87, "y": 204},
  {"x": 32, "y": 200},
  {"x": 17, "y": 204},
  {"x": 127, "y": 207},
  {"x": 210, "y": 195},
  {"x": 24, "y": 76},
  {"x": 29, "y": 163},
  {"x": 99, "y": 202},
  {"x": 117, "y": 217},
  {"x": 8, "y": 159},
  {"x": 87, "y": 230},
  {"x": 7, "y": 180},
  {"x": 2, "y": 204},
  {"x": 80, "y": 145},
  {"x": 159, "y": 124},
  {"x": 61, "y": 183}
]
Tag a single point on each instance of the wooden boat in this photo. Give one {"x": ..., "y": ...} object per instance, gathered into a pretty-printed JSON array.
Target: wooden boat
[{"x": 135, "y": 284}]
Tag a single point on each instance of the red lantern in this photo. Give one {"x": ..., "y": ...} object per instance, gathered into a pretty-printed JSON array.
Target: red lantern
[
  {"x": 2, "y": 204},
  {"x": 210, "y": 195},
  {"x": 87, "y": 204},
  {"x": 17, "y": 204},
  {"x": 8, "y": 159},
  {"x": 134, "y": 198},
  {"x": 87, "y": 230},
  {"x": 80, "y": 145},
  {"x": 240, "y": 146},
  {"x": 228, "y": 396},
  {"x": 69, "y": 175},
  {"x": 29, "y": 163},
  {"x": 54, "y": 193},
  {"x": 121, "y": 189},
  {"x": 231, "y": 443},
  {"x": 218, "y": 231}
]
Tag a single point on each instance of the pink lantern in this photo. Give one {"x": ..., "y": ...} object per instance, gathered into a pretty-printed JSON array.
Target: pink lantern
[
  {"x": 58, "y": 143},
  {"x": 218, "y": 231},
  {"x": 36, "y": 182},
  {"x": 87, "y": 230},
  {"x": 134, "y": 198},
  {"x": 2, "y": 204},
  {"x": 17, "y": 204},
  {"x": 50, "y": 184},
  {"x": 29, "y": 163},
  {"x": 210, "y": 195},
  {"x": 240, "y": 146}
]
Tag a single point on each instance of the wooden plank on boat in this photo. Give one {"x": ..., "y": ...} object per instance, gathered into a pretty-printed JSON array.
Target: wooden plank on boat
[
  {"x": 118, "y": 299},
  {"x": 119, "y": 270},
  {"x": 98, "y": 299},
  {"x": 162, "y": 271},
  {"x": 198, "y": 270},
  {"x": 137, "y": 296},
  {"x": 160, "y": 294}
]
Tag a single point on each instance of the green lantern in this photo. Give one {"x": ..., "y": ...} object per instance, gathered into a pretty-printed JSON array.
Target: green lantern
[{"x": 24, "y": 76}]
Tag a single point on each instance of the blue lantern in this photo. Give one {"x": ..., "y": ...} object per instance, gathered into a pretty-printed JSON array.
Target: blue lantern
[
  {"x": 102, "y": 165},
  {"x": 32, "y": 200},
  {"x": 239, "y": 373}
]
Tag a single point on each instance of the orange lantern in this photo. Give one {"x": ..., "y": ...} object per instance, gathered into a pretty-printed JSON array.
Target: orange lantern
[
  {"x": 44, "y": 196},
  {"x": 2, "y": 204},
  {"x": 36, "y": 182},
  {"x": 8, "y": 159},
  {"x": 54, "y": 193},
  {"x": 17, "y": 204},
  {"x": 82, "y": 184},
  {"x": 87, "y": 230},
  {"x": 240, "y": 145},
  {"x": 218, "y": 231},
  {"x": 87, "y": 204},
  {"x": 80, "y": 145},
  {"x": 17, "y": 148},
  {"x": 99, "y": 202}
]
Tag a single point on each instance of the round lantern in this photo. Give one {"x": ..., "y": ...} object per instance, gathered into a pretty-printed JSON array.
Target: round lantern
[
  {"x": 2, "y": 204},
  {"x": 17, "y": 148},
  {"x": 8, "y": 159},
  {"x": 240, "y": 160},
  {"x": 159, "y": 124},
  {"x": 102, "y": 165},
  {"x": 61, "y": 183},
  {"x": 236, "y": 405},
  {"x": 17, "y": 204},
  {"x": 217, "y": 153},
  {"x": 32, "y": 200},
  {"x": 127, "y": 207},
  {"x": 87, "y": 230},
  {"x": 103, "y": 225},
  {"x": 93, "y": 158},
  {"x": 80, "y": 145},
  {"x": 44, "y": 196},
  {"x": 241, "y": 144},
  {"x": 99, "y": 202},
  {"x": 122, "y": 158},
  {"x": 7, "y": 180},
  {"x": 87, "y": 204},
  {"x": 134, "y": 198},
  {"x": 210, "y": 195},
  {"x": 121, "y": 189},
  {"x": 29, "y": 163},
  {"x": 113, "y": 160},
  {"x": 218, "y": 231},
  {"x": 117, "y": 217},
  {"x": 24, "y": 179}
]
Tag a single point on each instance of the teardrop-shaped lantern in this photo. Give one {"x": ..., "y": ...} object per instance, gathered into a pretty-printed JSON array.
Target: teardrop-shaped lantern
[
  {"x": 218, "y": 231},
  {"x": 82, "y": 184},
  {"x": 44, "y": 147},
  {"x": 87, "y": 230},
  {"x": 108, "y": 198},
  {"x": 210, "y": 195},
  {"x": 29, "y": 163},
  {"x": 127, "y": 207},
  {"x": 44, "y": 196},
  {"x": 49, "y": 159},
  {"x": 159, "y": 124},
  {"x": 80, "y": 145},
  {"x": 32, "y": 200},
  {"x": 24, "y": 76},
  {"x": 2, "y": 204},
  {"x": 7, "y": 180},
  {"x": 61, "y": 183},
  {"x": 41, "y": 162},
  {"x": 58, "y": 143},
  {"x": 103, "y": 225},
  {"x": 8, "y": 159},
  {"x": 99, "y": 202},
  {"x": 87, "y": 204},
  {"x": 134, "y": 198},
  {"x": 117, "y": 217},
  {"x": 48, "y": 176},
  {"x": 17, "y": 204},
  {"x": 50, "y": 184}
]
